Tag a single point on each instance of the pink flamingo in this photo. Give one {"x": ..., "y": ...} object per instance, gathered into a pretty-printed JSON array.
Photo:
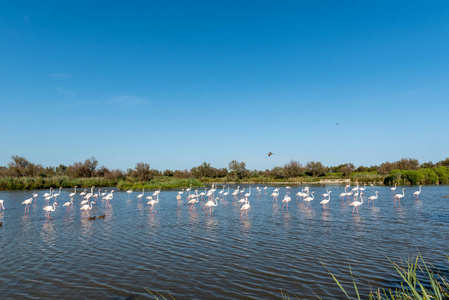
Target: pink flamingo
[
  {"x": 35, "y": 197},
  {"x": 1, "y": 205}
]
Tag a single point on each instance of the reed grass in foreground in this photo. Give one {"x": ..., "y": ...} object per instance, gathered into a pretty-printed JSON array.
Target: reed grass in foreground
[{"x": 432, "y": 286}]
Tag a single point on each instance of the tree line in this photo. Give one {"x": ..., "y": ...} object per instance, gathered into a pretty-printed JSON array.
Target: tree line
[{"x": 403, "y": 171}]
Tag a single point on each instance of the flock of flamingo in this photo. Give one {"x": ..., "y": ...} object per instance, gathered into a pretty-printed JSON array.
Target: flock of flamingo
[{"x": 305, "y": 196}]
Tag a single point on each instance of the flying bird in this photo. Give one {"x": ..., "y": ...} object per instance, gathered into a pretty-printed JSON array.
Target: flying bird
[
  {"x": 270, "y": 153},
  {"x": 337, "y": 124}
]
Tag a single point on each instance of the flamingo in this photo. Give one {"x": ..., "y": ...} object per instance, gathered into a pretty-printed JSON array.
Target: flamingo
[
  {"x": 356, "y": 204},
  {"x": 83, "y": 193},
  {"x": 35, "y": 197},
  {"x": 188, "y": 189},
  {"x": 74, "y": 193},
  {"x": 192, "y": 202},
  {"x": 109, "y": 197},
  {"x": 47, "y": 194},
  {"x": 141, "y": 195},
  {"x": 248, "y": 194},
  {"x": 245, "y": 208},
  {"x": 49, "y": 209},
  {"x": 221, "y": 192},
  {"x": 203, "y": 193},
  {"x": 226, "y": 193},
  {"x": 275, "y": 194},
  {"x": 286, "y": 200},
  {"x": 129, "y": 192},
  {"x": 86, "y": 208},
  {"x": 399, "y": 196},
  {"x": 235, "y": 193},
  {"x": 342, "y": 195},
  {"x": 393, "y": 189},
  {"x": 326, "y": 201},
  {"x": 178, "y": 197},
  {"x": 372, "y": 198},
  {"x": 362, "y": 188},
  {"x": 326, "y": 194},
  {"x": 416, "y": 194},
  {"x": 310, "y": 198},
  {"x": 104, "y": 194},
  {"x": 181, "y": 192},
  {"x": 152, "y": 202},
  {"x": 68, "y": 204},
  {"x": 209, "y": 204},
  {"x": 56, "y": 195},
  {"x": 27, "y": 203},
  {"x": 1, "y": 205}
]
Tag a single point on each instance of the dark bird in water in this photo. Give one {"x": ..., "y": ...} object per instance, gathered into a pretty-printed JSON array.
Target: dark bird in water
[
  {"x": 270, "y": 153},
  {"x": 91, "y": 218},
  {"x": 101, "y": 217}
]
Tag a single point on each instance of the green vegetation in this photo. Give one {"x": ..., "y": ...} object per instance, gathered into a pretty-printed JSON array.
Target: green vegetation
[
  {"x": 21, "y": 174},
  {"x": 432, "y": 285}
]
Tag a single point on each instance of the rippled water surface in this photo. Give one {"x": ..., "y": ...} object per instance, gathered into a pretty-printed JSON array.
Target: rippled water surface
[{"x": 223, "y": 256}]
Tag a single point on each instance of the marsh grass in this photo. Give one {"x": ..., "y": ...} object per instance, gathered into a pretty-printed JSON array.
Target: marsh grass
[
  {"x": 34, "y": 183},
  {"x": 418, "y": 281},
  {"x": 159, "y": 182}
]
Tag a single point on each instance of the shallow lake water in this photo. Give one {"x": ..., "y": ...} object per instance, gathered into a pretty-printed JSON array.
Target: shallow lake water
[{"x": 190, "y": 255}]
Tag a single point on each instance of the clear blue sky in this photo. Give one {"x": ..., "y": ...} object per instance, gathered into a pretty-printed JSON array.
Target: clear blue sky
[{"x": 177, "y": 83}]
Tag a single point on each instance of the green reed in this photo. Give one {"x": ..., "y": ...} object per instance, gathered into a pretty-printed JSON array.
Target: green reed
[{"x": 432, "y": 284}]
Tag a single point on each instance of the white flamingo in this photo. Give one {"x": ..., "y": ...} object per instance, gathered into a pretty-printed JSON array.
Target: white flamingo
[
  {"x": 309, "y": 198},
  {"x": 68, "y": 204},
  {"x": 86, "y": 208},
  {"x": 245, "y": 208},
  {"x": 393, "y": 189},
  {"x": 286, "y": 200},
  {"x": 372, "y": 198},
  {"x": 141, "y": 195},
  {"x": 399, "y": 197},
  {"x": 74, "y": 193},
  {"x": 152, "y": 202},
  {"x": 275, "y": 194},
  {"x": 49, "y": 209},
  {"x": 248, "y": 194},
  {"x": 209, "y": 204},
  {"x": 27, "y": 203},
  {"x": 356, "y": 204},
  {"x": 326, "y": 201},
  {"x": 416, "y": 194},
  {"x": 1, "y": 205}
]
